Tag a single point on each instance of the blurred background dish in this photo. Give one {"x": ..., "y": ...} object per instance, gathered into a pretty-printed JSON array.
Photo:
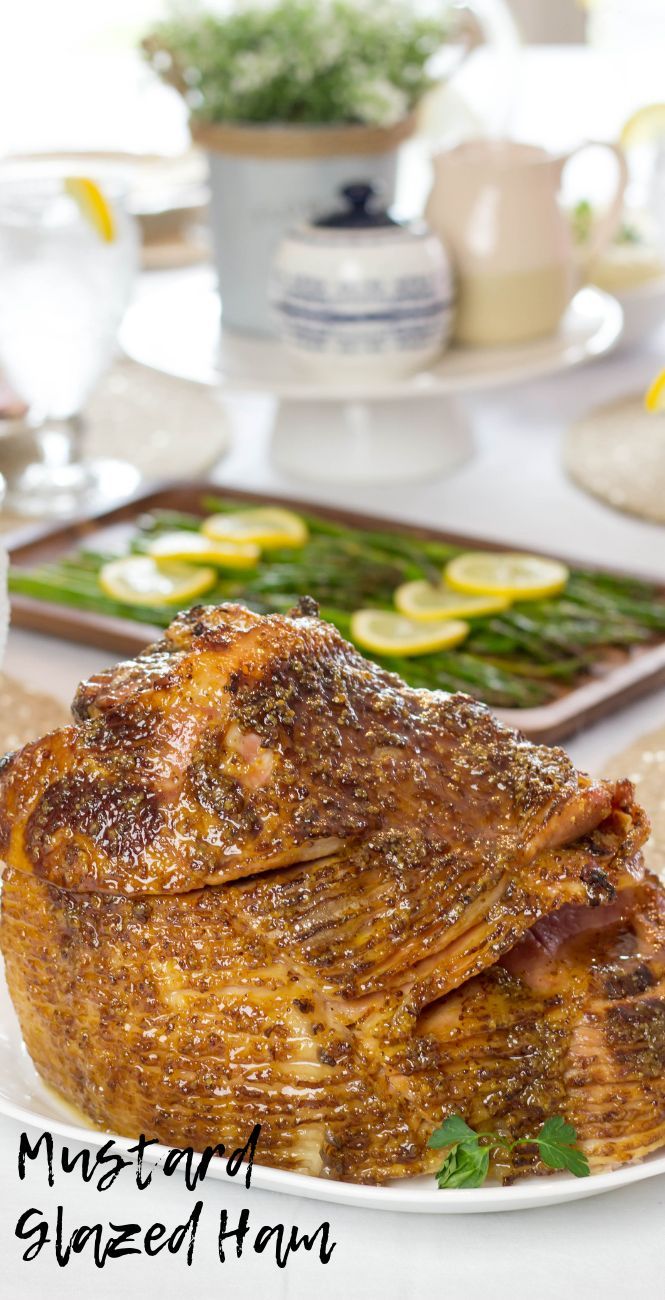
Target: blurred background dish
[{"x": 643, "y": 307}]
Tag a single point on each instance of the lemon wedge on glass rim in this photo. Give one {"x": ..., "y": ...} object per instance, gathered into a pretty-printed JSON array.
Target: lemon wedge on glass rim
[
  {"x": 267, "y": 526},
  {"x": 514, "y": 575},
  {"x": 643, "y": 126},
  {"x": 197, "y": 549},
  {"x": 654, "y": 398},
  {"x": 93, "y": 204},
  {"x": 423, "y": 601},
  {"x": 140, "y": 580},
  {"x": 386, "y": 633}
]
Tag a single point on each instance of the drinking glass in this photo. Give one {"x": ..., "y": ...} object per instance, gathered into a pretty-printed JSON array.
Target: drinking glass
[{"x": 63, "y": 292}]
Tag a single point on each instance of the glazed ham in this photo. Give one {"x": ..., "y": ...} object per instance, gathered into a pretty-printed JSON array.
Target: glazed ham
[
  {"x": 262, "y": 880},
  {"x": 241, "y": 743},
  {"x": 571, "y": 1022}
]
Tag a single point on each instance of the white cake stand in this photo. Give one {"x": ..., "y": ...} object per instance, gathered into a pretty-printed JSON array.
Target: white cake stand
[{"x": 373, "y": 432}]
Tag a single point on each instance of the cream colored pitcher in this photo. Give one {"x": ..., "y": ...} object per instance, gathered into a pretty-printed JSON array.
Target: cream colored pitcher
[{"x": 495, "y": 204}]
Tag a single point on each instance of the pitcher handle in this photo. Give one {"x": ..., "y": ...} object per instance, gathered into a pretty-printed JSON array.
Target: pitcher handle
[
  {"x": 606, "y": 227},
  {"x": 471, "y": 34}
]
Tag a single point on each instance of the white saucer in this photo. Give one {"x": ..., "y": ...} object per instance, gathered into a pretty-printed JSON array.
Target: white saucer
[
  {"x": 176, "y": 328},
  {"x": 25, "y": 1098}
]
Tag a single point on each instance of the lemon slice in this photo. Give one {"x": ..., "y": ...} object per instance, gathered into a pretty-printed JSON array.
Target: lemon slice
[
  {"x": 197, "y": 549},
  {"x": 512, "y": 575},
  {"x": 654, "y": 398},
  {"x": 425, "y": 602},
  {"x": 139, "y": 580},
  {"x": 94, "y": 206},
  {"x": 387, "y": 633},
  {"x": 266, "y": 526},
  {"x": 647, "y": 124}
]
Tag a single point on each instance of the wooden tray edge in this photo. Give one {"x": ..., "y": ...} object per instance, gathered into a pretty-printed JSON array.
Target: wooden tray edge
[{"x": 32, "y": 536}]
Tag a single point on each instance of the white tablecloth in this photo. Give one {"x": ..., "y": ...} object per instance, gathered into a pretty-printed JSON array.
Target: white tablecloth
[{"x": 605, "y": 1248}]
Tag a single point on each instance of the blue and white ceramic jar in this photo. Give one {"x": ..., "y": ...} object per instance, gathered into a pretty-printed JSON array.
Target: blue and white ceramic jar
[{"x": 359, "y": 296}]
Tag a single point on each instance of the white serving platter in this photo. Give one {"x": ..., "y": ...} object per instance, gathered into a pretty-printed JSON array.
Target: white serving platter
[
  {"x": 176, "y": 328},
  {"x": 25, "y": 1098}
]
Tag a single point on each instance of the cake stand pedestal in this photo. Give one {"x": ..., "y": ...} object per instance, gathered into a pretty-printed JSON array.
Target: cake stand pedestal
[
  {"x": 370, "y": 441},
  {"x": 379, "y": 431}
]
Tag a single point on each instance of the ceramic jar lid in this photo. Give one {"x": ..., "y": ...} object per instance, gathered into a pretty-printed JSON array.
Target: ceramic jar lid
[{"x": 361, "y": 211}]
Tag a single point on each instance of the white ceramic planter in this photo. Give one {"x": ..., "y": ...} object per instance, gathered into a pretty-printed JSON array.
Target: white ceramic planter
[{"x": 263, "y": 179}]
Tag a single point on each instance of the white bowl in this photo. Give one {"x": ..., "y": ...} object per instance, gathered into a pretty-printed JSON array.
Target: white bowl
[{"x": 643, "y": 310}]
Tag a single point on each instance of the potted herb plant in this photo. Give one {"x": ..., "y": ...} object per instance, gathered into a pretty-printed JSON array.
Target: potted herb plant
[{"x": 291, "y": 100}]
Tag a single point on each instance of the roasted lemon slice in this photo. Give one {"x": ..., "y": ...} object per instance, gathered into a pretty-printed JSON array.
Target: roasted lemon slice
[
  {"x": 140, "y": 580},
  {"x": 386, "y": 633},
  {"x": 267, "y": 526},
  {"x": 511, "y": 575},
  {"x": 426, "y": 603},
  {"x": 197, "y": 549},
  {"x": 94, "y": 206}
]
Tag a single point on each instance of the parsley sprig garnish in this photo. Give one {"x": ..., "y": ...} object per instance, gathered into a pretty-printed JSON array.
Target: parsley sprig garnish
[{"x": 468, "y": 1160}]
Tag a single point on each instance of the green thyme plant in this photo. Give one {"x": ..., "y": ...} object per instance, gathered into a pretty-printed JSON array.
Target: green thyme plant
[{"x": 303, "y": 61}]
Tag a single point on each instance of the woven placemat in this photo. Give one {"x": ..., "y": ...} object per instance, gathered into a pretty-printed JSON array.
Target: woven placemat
[
  {"x": 26, "y": 714},
  {"x": 617, "y": 452},
  {"x": 644, "y": 763},
  {"x": 166, "y": 426}
]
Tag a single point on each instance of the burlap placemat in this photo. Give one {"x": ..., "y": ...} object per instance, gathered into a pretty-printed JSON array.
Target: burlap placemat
[
  {"x": 26, "y": 714},
  {"x": 644, "y": 763},
  {"x": 617, "y": 452}
]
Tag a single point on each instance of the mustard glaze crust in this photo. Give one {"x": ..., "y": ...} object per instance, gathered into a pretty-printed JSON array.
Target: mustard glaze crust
[{"x": 241, "y": 743}]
